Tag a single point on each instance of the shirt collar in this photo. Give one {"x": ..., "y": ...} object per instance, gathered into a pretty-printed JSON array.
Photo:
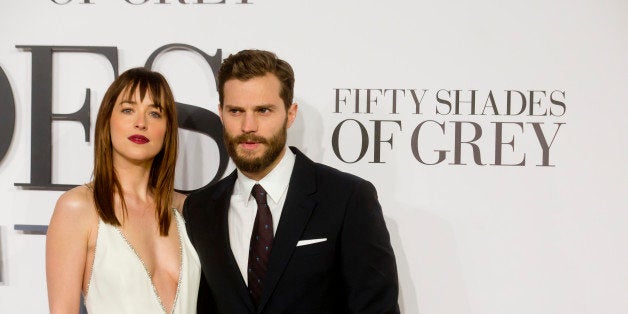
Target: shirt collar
[{"x": 275, "y": 182}]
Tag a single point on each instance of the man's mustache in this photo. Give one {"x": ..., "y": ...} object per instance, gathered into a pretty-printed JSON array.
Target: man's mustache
[{"x": 248, "y": 138}]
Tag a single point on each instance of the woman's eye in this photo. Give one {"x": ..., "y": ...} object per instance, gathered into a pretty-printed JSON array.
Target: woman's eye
[
  {"x": 155, "y": 114},
  {"x": 127, "y": 110}
]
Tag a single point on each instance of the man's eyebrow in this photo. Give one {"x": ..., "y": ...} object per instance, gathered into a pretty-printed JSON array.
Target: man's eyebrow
[
  {"x": 228, "y": 106},
  {"x": 266, "y": 106},
  {"x": 255, "y": 107}
]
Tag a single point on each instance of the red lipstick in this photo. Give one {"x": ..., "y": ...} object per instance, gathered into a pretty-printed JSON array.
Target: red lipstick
[{"x": 138, "y": 139}]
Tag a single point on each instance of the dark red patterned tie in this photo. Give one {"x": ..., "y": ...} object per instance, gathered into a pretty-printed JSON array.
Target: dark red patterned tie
[{"x": 261, "y": 244}]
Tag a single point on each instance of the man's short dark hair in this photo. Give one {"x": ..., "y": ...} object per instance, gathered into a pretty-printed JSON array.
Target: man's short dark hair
[{"x": 248, "y": 64}]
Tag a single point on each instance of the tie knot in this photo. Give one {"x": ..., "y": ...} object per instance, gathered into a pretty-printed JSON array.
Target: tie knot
[{"x": 259, "y": 194}]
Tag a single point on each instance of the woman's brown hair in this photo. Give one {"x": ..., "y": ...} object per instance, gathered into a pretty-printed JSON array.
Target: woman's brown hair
[{"x": 161, "y": 178}]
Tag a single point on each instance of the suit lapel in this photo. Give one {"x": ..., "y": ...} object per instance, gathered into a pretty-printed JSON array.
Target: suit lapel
[
  {"x": 232, "y": 271},
  {"x": 294, "y": 217}
]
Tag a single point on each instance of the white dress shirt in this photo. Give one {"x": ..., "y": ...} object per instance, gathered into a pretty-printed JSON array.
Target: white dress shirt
[{"x": 243, "y": 208}]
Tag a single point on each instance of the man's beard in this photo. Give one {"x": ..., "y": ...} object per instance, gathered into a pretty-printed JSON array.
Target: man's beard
[{"x": 246, "y": 162}]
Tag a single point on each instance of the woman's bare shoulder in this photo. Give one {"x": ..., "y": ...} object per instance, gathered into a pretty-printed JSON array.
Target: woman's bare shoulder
[
  {"x": 177, "y": 201},
  {"x": 77, "y": 203}
]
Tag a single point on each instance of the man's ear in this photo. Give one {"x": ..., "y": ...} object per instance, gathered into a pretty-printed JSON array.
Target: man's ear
[
  {"x": 220, "y": 111},
  {"x": 292, "y": 113}
]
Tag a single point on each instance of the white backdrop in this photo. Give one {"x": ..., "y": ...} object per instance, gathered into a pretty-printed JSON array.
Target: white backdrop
[{"x": 547, "y": 236}]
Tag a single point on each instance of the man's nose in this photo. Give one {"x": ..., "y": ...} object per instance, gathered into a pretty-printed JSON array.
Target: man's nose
[{"x": 249, "y": 123}]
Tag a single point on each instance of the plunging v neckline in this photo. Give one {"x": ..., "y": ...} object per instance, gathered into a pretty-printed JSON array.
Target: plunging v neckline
[{"x": 150, "y": 278}]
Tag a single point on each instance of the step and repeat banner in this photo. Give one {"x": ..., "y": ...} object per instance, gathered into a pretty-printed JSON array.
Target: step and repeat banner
[{"x": 495, "y": 132}]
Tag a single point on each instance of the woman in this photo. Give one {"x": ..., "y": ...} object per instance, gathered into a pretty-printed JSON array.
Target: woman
[{"x": 120, "y": 240}]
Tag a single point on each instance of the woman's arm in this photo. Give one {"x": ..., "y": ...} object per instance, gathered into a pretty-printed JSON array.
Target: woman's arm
[
  {"x": 67, "y": 243},
  {"x": 177, "y": 201}
]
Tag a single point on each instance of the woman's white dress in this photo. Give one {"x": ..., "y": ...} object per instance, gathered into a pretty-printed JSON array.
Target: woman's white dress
[{"x": 120, "y": 283}]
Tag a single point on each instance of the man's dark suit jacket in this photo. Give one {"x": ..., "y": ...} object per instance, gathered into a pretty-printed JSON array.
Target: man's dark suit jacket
[{"x": 353, "y": 271}]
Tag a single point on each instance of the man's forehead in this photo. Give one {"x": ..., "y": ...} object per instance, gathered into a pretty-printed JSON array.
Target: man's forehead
[
  {"x": 256, "y": 86},
  {"x": 268, "y": 78}
]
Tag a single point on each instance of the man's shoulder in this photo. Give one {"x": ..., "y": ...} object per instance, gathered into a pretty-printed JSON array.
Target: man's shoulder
[
  {"x": 214, "y": 189},
  {"x": 328, "y": 175},
  {"x": 205, "y": 200}
]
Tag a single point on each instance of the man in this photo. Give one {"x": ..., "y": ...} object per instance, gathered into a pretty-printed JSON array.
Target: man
[{"x": 283, "y": 234}]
